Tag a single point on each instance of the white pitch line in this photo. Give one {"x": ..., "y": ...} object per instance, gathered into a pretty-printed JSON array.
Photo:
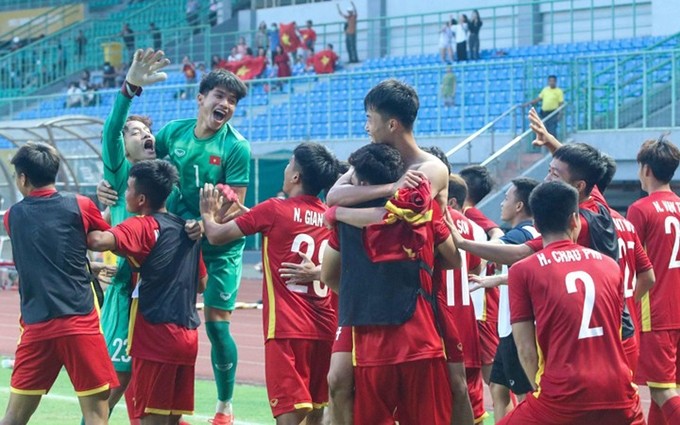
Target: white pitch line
[{"x": 74, "y": 400}]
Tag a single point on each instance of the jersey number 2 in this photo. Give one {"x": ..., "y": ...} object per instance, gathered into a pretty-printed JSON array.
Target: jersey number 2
[
  {"x": 320, "y": 289},
  {"x": 673, "y": 224},
  {"x": 588, "y": 303}
]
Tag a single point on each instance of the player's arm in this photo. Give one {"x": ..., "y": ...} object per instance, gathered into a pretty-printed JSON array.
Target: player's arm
[
  {"x": 303, "y": 272},
  {"x": 101, "y": 241},
  {"x": 330, "y": 268},
  {"x": 357, "y": 217},
  {"x": 645, "y": 282},
  {"x": 524, "y": 334},
  {"x": 486, "y": 282},
  {"x": 495, "y": 234},
  {"x": 237, "y": 176},
  {"x": 344, "y": 193},
  {"x": 492, "y": 251},
  {"x": 449, "y": 255}
]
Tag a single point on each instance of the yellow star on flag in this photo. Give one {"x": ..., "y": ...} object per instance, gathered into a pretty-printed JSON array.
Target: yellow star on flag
[
  {"x": 325, "y": 59},
  {"x": 285, "y": 39},
  {"x": 243, "y": 70}
]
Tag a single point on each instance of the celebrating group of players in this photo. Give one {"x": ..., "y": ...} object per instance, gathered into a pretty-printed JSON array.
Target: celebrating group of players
[{"x": 382, "y": 300}]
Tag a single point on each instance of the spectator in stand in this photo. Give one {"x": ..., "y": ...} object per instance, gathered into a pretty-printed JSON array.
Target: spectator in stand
[
  {"x": 261, "y": 37},
  {"x": 193, "y": 18},
  {"x": 81, "y": 41},
  {"x": 128, "y": 39},
  {"x": 156, "y": 36},
  {"x": 350, "y": 32},
  {"x": 308, "y": 36},
  {"x": 446, "y": 42},
  {"x": 74, "y": 96},
  {"x": 215, "y": 61},
  {"x": 474, "y": 26},
  {"x": 282, "y": 61},
  {"x": 551, "y": 98},
  {"x": 242, "y": 47},
  {"x": 108, "y": 76},
  {"x": 61, "y": 60},
  {"x": 189, "y": 71},
  {"x": 461, "y": 32},
  {"x": 234, "y": 56},
  {"x": 212, "y": 13},
  {"x": 274, "y": 41},
  {"x": 449, "y": 87}
]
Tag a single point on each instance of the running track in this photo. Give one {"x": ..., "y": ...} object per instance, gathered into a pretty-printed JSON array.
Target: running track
[{"x": 246, "y": 327}]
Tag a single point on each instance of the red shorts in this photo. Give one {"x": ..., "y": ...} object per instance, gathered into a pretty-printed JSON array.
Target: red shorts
[
  {"x": 161, "y": 388},
  {"x": 296, "y": 372},
  {"x": 475, "y": 384},
  {"x": 343, "y": 340},
  {"x": 488, "y": 340},
  {"x": 453, "y": 346},
  {"x": 658, "y": 366},
  {"x": 631, "y": 349},
  {"x": 534, "y": 412},
  {"x": 412, "y": 393},
  {"x": 85, "y": 357}
]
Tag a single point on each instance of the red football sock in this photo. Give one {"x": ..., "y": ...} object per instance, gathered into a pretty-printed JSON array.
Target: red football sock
[
  {"x": 655, "y": 415},
  {"x": 671, "y": 411}
]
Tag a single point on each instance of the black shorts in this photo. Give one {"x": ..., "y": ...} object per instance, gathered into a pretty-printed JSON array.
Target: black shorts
[{"x": 507, "y": 369}]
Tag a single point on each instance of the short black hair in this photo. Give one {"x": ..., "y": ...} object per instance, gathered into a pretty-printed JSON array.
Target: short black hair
[
  {"x": 226, "y": 79},
  {"x": 155, "y": 179},
  {"x": 392, "y": 98},
  {"x": 457, "y": 189},
  {"x": 38, "y": 161},
  {"x": 661, "y": 156},
  {"x": 146, "y": 120},
  {"x": 584, "y": 161},
  {"x": 377, "y": 163},
  {"x": 608, "y": 176},
  {"x": 552, "y": 76},
  {"x": 478, "y": 180},
  {"x": 523, "y": 188},
  {"x": 318, "y": 167},
  {"x": 343, "y": 167},
  {"x": 553, "y": 203},
  {"x": 436, "y": 151}
]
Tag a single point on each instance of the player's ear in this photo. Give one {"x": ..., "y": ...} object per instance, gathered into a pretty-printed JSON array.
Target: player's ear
[
  {"x": 574, "y": 226},
  {"x": 580, "y": 186}
]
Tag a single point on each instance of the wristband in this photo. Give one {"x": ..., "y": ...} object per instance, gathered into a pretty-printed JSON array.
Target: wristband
[
  {"x": 330, "y": 214},
  {"x": 130, "y": 90}
]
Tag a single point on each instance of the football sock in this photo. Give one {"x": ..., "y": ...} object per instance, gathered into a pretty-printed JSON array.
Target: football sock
[
  {"x": 671, "y": 411},
  {"x": 224, "y": 356},
  {"x": 224, "y": 407},
  {"x": 655, "y": 415}
]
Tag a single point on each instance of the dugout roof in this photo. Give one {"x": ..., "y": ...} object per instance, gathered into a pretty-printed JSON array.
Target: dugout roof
[{"x": 78, "y": 141}]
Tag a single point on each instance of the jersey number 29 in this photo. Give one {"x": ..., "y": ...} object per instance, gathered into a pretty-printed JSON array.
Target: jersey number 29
[{"x": 320, "y": 289}]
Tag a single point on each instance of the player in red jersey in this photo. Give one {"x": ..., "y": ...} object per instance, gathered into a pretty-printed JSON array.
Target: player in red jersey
[
  {"x": 657, "y": 221},
  {"x": 163, "y": 318},
  {"x": 566, "y": 313},
  {"x": 298, "y": 319},
  {"x": 59, "y": 314},
  {"x": 479, "y": 183}
]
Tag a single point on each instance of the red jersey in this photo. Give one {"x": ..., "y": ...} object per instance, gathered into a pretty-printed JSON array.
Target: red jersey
[
  {"x": 574, "y": 294},
  {"x": 632, "y": 260},
  {"x": 453, "y": 291},
  {"x": 418, "y": 338},
  {"x": 67, "y": 325},
  {"x": 160, "y": 342},
  {"x": 478, "y": 217},
  {"x": 290, "y": 226},
  {"x": 657, "y": 221}
]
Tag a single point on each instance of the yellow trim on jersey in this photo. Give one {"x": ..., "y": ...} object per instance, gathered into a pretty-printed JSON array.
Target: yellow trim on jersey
[
  {"x": 134, "y": 305},
  {"x": 97, "y": 390},
  {"x": 303, "y": 406},
  {"x": 484, "y": 308},
  {"x": 481, "y": 418},
  {"x": 662, "y": 385},
  {"x": 133, "y": 261},
  {"x": 319, "y": 405},
  {"x": 271, "y": 302},
  {"x": 354, "y": 349},
  {"x": 166, "y": 412},
  {"x": 27, "y": 392},
  {"x": 541, "y": 369},
  {"x": 96, "y": 307},
  {"x": 646, "y": 313}
]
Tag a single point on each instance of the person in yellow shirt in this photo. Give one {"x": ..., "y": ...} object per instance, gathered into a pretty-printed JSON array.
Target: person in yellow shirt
[{"x": 551, "y": 97}]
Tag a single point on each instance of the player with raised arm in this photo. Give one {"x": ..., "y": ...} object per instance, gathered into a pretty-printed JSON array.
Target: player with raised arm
[
  {"x": 208, "y": 149},
  {"x": 657, "y": 221},
  {"x": 59, "y": 315},
  {"x": 566, "y": 302},
  {"x": 299, "y": 321},
  {"x": 163, "y": 319}
]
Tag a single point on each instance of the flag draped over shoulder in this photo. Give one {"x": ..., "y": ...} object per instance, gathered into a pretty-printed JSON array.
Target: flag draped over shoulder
[
  {"x": 403, "y": 230},
  {"x": 247, "y": 68},
  {"x": 288, "y": 37},
  {"x": 324, "y": 62}
]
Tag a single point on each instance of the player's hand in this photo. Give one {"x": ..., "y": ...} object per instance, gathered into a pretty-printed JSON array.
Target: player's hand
[
  {"x": 458, "y": 239},
  {"x": 229, "y": 198},
  {"x": 543, "y": 138},
  {"x": 101, "y": 269},
  {"x": 329, "y": 217},
  {"x": 411, "y": 179},
  {"x": 303, "y": 272},
  {"x": 194, "y": 229},
  {"x": 105, "y": 194},
  {"x": 225, "y": 218},
  {"x": 483, "y": 282},
  {"x": 145, "y": 68},
  {"x": 210, "y": 201}
]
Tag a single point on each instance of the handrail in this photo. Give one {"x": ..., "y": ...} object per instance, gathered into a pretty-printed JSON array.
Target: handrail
[
  {"x": 517, "y": 139},
  {"x": 477, "y": 133},
  {"x": 41, "y": 23}
]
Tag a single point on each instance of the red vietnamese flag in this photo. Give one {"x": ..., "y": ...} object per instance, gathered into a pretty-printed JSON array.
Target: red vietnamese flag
[
  {"x": 246, "y": 69},
  {"x": 324, "y": 62},
  {"x": 308, "y": 37},
  {"x": 288, "y": 37},
  {"x": 215, "y": 160}
]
